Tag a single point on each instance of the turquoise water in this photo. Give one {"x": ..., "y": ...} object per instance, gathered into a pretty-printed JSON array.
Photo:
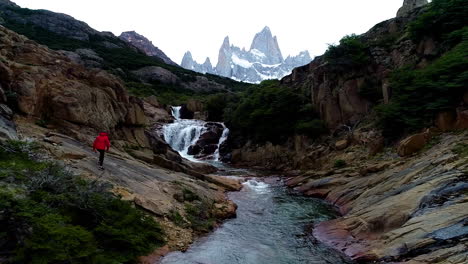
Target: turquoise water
[{"x": 270, "y": 228}]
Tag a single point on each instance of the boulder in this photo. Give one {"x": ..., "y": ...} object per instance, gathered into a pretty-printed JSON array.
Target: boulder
[
  {"x": 413, "y": 144},
  {"x": 207, "y": 144},
  {"x": 342, "y": 144}
]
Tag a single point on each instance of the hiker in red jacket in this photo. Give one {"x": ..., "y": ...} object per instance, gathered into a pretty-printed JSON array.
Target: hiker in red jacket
[{"x": 101, "y": 144}]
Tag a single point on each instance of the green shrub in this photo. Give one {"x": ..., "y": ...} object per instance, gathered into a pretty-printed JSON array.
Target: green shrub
[
  {"x": 350, "y": 52},
  {"x": 177, "y": 219},
  {"x": 200, "y": 217},
  {"x": 48, "y": 215},
  {"x": 271, "y": 112},
  {"x": 461, "y": 150},
  {"x": 419, "y": 94},
  {"x": 441, "y": 19},
  {"x": 339, "y": 164}
]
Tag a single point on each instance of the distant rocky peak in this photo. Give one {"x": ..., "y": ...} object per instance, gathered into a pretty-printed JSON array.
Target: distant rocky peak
[
  {"x": 187, "y": 61},
  {"x": 268, "y": 45},
  {"x": 410, "y": 5},
  {"x": 145, "y": 45},
  {"x": 207, "y": 61},
  {"x": 226, "y": 43}
]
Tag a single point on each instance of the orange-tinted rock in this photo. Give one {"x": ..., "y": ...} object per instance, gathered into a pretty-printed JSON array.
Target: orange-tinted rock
[
  {"x": 155, "y": 256},
  {"x": 342, "y": 144},
  {"x": 462, "y": 120},
  {"x": 413, "y": 144},
  {"x": 445, "y": 121}
]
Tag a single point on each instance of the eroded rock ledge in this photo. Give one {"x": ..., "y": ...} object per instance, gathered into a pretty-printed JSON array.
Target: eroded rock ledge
[{"x": 407, "y": 210}]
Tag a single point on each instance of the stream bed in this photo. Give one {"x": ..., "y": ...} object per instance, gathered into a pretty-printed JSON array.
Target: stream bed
[
  {"x": 272, "y": 224},
  {"x": 270, "y": 228}
]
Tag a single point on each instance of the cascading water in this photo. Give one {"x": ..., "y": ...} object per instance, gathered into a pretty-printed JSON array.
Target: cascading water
[
  {"x": 270, "y": 223},
  {"x": 183, "y": 133}
]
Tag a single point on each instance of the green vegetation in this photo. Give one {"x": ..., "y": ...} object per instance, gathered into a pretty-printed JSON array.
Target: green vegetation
[
  {"x": 48, "y": 215},
  {"x": 351, "y": 52},
  {"x": 271, "y": 112},
  {"x": 200, "y": 216},
  {"x": 119, "y": 59},
  {"x": 461, "y": 150},
  {"x": 339, "y": 164},
  {"x": 444, "y": 20},
  {"x": 177, "y": 219},
  {"x": 419, "y": 94}
]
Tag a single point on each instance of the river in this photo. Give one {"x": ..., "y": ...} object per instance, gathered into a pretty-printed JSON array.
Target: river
[{"x": 272, "y": 226}]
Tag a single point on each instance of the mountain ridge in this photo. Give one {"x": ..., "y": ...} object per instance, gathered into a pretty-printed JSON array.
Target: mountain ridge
[{"x": 263, "y": 61}]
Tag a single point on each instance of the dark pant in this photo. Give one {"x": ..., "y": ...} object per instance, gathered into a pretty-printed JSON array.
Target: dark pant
[{"x": 101, "y": 156}]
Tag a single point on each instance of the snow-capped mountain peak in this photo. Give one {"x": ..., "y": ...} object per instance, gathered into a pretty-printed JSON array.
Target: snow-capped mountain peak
[{"x": 263, "y": 61}]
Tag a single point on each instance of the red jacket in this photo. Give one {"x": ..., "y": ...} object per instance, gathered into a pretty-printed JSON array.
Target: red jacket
[{"x": 101, "y": 142}]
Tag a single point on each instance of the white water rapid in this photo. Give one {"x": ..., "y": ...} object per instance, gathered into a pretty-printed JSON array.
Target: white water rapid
[{"x": 183, "y": 133}]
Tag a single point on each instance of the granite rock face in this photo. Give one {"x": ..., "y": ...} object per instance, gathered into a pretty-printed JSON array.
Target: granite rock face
[
  {"x": 48, "y": 85},
  {"x": 145, "y": 46},
  {"x": 337, "y": 89},
  {"x": 395, "y": 210},
  {"x": 410, "y": 5},
  {"x": 263, "y": 61}
]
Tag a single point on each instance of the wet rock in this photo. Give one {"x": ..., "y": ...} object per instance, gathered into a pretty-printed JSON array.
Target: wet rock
[
  {"x": 185, "y": 113},
  {"x": 207, "y": 144}
]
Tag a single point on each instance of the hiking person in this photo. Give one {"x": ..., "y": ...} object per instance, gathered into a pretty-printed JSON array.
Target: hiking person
[{"x": 101, "y": 144}]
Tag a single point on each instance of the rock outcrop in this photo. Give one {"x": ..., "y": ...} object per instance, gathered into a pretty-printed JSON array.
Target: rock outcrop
[
  {"x": 410, "y": 5},
  {"x": 398, "y": 210},
  {"x": 60, "y": 24},
  {"x": 337, "y": 88},
  {"x": 145, "y": 46},
  {"x": 48, "y": 86},
  {"x": 208, "y": 141},
  {"x": 263, "y": 61}
]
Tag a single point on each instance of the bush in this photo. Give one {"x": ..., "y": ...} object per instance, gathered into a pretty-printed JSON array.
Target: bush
[
  {"x": 200, "y": 217},
  {"x": 48, "y": 215},
  {"x": 339, "y": 164},
  {"x": 441, "y": 19},
  {"x": 419, "y": 94},
  {"x": 350, "y": 52},
  {"x": 271, "y": 112}
]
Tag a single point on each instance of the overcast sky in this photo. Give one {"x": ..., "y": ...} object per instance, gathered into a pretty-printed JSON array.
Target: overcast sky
[{"x": 200, "y": 26}]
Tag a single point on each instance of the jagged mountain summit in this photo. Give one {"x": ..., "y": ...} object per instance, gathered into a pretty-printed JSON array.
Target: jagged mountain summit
[
  {"x": 145, "y": 46},
  {"x": 263, "y": 61}
]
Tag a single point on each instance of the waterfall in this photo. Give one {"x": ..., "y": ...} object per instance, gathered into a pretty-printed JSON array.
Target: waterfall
[
  {"x": 183, "y": 133},
  {"x": 176, "y": 112},
  {"x": 221, "y": 141}
]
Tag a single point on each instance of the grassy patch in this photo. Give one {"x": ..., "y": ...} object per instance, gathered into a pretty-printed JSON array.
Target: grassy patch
[
  {"x": 200, "y": 217},
  {"x": 461, "y": 150},
  {"x": 338, "y": 164}
]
